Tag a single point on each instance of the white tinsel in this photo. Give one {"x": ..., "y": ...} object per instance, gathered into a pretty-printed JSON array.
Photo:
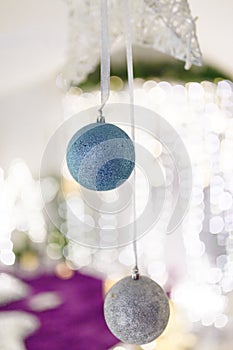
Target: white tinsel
[{"x": 165, "y": 25}]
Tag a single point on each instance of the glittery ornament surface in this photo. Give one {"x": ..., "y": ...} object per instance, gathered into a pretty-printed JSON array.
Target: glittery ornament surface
[
  {"x": 100, "y": 156},
  {"x": 136, "y": 311}
]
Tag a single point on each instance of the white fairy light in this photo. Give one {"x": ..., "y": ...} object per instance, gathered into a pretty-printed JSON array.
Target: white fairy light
[
  {"x": 21, "y": 207},
  {"x": 206, "y": 304},
  {"x": 214, "y": 275},
  {"x": 7, "y": 257},
  {"x": 109, "y": 237},
  {"x": 107, "y": 219},
  {"x": 224, "y": 89},
  {"x": 49, "y": 188},
  {"x": 209, "y": 303},
  {"x": 225, "y": 201},
  {"x": 195, "y": 91},
  {"x": 150, "y": 346},
  {"x": 216, "y": 224},
  {"x": 221, "y": 321},
  {"x": 126, "y": 257},
  {"x": 200, "y": 113}
]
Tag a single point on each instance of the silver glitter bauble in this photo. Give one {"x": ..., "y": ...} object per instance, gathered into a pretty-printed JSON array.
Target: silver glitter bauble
[{"x": 136, "y": 311}]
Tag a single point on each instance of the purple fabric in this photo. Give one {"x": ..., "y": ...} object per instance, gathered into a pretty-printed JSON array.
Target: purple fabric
[{"x": 77, "y": 324}]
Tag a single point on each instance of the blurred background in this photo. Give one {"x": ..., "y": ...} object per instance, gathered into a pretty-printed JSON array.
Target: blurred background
[{"x": 51, "y": 289}]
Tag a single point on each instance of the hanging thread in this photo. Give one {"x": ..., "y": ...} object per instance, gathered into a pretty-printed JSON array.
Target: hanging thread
[
  {"x": 129, "y": 58},
  {"x": 104, "y": 60},
  {"x": 105, "y": 90}
]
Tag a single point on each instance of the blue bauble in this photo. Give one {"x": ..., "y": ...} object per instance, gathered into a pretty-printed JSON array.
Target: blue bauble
[{"x": 100, "y": 156}]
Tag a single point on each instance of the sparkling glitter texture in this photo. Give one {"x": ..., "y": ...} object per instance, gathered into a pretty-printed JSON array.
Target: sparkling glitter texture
[
  {"x": 136, "y": 311},
  {"x": 100, "y": 156}
]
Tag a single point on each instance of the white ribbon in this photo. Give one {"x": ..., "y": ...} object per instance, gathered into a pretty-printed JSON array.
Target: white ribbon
[
  {"x": 104, "y": 58},
  {"x": 129, "y": 58},
  {"x": 105, "y": 89}
]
